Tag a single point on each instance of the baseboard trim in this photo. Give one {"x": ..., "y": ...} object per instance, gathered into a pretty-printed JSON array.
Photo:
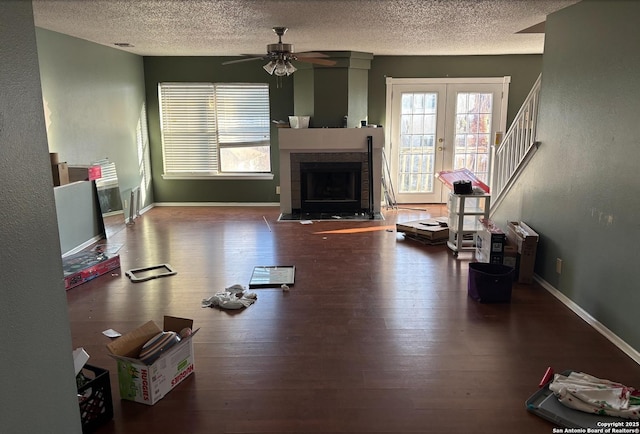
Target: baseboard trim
[
  {"x": 146, "y": 208},
  {"x": 83, "y": 245},
  {"x": 597, "y": 325},
  {"x": 216, "y": 204},
  {"x": 128, "y": 220}
]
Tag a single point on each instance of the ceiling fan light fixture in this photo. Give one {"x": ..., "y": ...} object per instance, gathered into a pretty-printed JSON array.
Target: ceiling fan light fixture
[
  {"x": 281, "y": 68},
  {"x": 270, "y": 67},
  {"x": 290, "y": 69},
  {"x": 281, "y": 55}
]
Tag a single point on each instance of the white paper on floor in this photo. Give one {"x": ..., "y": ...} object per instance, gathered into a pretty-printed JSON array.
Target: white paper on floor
[{"x": 111, "y": 333}]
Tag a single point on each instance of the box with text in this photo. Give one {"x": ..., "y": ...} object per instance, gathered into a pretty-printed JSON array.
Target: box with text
[
  {"x": 526, "y": 240},
  {"x": 148, "y": 384}
]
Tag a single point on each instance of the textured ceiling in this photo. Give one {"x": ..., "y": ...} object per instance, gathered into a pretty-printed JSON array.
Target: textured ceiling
[{"x": 234, "y": 27}]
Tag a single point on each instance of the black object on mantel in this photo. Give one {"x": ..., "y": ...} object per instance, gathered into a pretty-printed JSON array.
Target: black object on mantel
[{"x": 462, "y": 187}]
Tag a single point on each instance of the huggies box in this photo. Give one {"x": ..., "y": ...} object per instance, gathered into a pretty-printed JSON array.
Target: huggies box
[{"x": 149, "y": 383}]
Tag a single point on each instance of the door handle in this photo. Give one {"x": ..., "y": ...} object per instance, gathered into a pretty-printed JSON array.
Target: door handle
[{"x": 440, "y": 148}]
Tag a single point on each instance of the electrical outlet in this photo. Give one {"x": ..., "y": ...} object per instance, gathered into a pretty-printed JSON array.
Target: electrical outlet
[
  {"x": 558, "y": 265},
  {"x": 277, "y": 189},
  {"x": 126, "y": 203}
]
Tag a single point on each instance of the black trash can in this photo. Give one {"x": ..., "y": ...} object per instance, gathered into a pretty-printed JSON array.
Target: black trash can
[{"x": 490, "y": 283}]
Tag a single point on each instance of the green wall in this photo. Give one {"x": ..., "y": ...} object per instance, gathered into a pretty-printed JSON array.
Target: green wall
[
  {"x": 211, "y": 70},
  {"x": 38, "y": 382},
  {"x": 79, "y": 215},
  {"x": 331, "y": 89},
  {"x": 523, "y": 69},
  {"x": 580, "y": 189},
  {"x": 95, "y": 99}
]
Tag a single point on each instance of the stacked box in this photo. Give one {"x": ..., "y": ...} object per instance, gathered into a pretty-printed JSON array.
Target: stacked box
[
  {"x": 85, "y": 173},
  {"x": 490, "y": 242},
  {"x": 426, "y": 231},
  {"x": 60, "y": 172},
  {"x": 526, "y": 241}
]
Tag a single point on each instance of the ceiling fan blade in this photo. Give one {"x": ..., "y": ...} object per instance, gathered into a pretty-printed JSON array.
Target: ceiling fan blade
[
  {"x": 325, "y": 62},
  {"x": 242, "y": 60},
  {"x": 311, "y": 54}
]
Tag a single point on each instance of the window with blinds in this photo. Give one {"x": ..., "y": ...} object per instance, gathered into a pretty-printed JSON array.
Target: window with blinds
[{"x": 209, "y": 129}]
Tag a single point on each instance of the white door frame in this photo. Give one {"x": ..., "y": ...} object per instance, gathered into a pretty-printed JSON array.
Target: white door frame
[{"x": 390, "y": 82}]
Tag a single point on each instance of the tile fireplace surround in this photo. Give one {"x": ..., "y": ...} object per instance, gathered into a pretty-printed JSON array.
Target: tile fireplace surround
[{"x": 329, "y": 142}]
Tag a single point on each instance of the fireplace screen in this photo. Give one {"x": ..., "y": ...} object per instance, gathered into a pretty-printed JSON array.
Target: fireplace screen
[{"x": 330, "y": 186}]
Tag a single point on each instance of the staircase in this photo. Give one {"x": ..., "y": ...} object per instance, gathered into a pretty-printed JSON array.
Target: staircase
[{"x": 511, "y": 155}]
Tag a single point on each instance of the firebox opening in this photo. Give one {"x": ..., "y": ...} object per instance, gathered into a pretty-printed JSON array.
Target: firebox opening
[{"x": 331, "y": 186}]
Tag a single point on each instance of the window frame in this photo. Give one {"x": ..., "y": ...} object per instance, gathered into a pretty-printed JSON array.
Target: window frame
[{"x": 212, "y": 133}]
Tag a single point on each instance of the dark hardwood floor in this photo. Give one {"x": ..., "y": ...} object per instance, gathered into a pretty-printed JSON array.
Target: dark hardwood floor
[{"x": 378, "y": 334}]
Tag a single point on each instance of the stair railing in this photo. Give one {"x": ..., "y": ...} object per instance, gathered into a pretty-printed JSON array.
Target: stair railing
[{"x": 511, "y": 154}]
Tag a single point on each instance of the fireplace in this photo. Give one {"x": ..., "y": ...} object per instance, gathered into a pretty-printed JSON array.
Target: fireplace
[
  {"x": 329, "y": 182},
  {"x": 330, "y": 187},
  {"x": 337, "y": 158}
]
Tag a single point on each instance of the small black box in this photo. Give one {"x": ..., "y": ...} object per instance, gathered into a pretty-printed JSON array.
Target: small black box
[{"x": 462, "y": 187}]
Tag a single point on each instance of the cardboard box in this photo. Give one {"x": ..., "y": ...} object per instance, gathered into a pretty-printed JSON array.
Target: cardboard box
[
  {"x": 510, "y": 255},
  {"x": 430, "y": 231},
  {"x": 526, "y": 241},
  {"x": 148, "y": 384},
  {"x": 490, "y": 242},
  {"x": 87, "y": 265},
  {"x": 60, "y": 172},
  {"x": 492, "y": 238},
  {"x": 489, "y": 258},
  {"x": 84, "y": 173}
]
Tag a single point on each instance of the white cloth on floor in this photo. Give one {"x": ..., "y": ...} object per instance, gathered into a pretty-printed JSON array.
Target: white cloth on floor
[
  {"x": 587, "y": 393},
  {"x": 233, "y": 297}
]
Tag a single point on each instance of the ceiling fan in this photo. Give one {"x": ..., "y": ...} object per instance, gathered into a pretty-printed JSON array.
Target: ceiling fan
[{"x": 280, "y": 56}]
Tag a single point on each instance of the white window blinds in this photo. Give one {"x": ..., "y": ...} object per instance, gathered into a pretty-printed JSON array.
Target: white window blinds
[
  {"x": 243, "y": 114},
  {"x": 188, "y": 126},
  {"x": 200, "y": 120}
]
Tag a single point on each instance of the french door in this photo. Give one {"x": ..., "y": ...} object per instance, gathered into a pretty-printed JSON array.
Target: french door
[{"x": 441, "y": 124}]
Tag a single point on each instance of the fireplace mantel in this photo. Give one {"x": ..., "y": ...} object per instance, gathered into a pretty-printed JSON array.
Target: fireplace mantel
[{"x": 328, "y": 140}]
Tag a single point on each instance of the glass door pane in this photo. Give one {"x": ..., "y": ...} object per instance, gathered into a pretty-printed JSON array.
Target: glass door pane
[
  {"x": 473, "y": 119},
  {"x": 441, "y": 124},
  {"x": 415, "y": 158},
  {"x": 417, "y": 140}
]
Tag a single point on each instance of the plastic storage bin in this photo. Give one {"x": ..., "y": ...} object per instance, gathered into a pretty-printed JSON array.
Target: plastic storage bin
[
  {"x": 94, "y": 397},
  {"x": 490, "y": 283}
]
